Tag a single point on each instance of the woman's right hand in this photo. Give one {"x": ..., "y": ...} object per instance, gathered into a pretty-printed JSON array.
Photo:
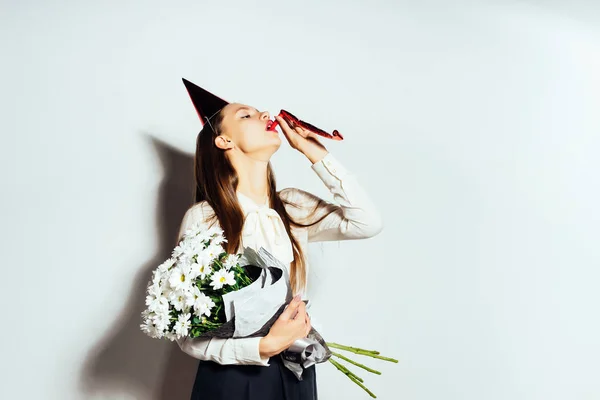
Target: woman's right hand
[{"x": 292, "y": 324}]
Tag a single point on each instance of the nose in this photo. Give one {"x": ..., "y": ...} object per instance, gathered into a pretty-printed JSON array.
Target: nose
[{"x": 265, "y": 115}]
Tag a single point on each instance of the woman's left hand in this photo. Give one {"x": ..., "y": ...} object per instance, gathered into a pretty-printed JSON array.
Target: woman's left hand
[{"x": 302, "y": 140}]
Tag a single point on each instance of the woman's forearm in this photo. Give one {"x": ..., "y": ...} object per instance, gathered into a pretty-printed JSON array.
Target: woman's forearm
[{"x": 267, "y": 347}]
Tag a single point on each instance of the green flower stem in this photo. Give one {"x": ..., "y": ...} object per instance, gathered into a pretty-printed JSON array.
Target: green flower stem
[
  {"x": 363, "y": 352},
  {"x": 345, "y": 370},
  {"x": 364, "y": 387},
  {"x": 355, "y": 363},
  {"x": 348, "y": 348},
  {"x": 218, "y": 262},
  {"x": 206, "y": 325},
  {"x": 350, "y": 375},
  {"x": 245, "y": 280}
]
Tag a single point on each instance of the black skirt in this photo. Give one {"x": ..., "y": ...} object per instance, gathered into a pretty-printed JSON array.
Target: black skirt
[{"x": 253, "y": 382}]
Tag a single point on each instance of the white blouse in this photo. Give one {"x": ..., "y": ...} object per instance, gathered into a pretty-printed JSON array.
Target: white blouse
[{"x": 354, "y": 216}]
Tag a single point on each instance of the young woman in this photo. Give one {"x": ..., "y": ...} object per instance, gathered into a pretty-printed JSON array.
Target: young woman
[{"x": 235, "y": 188}]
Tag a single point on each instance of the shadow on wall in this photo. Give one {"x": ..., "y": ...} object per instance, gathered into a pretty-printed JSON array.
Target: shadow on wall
[{"x": 127, "y": 363}]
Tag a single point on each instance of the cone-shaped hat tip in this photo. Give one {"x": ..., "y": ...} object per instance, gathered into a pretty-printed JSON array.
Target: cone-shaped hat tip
[{"x": 206, "y": 103}]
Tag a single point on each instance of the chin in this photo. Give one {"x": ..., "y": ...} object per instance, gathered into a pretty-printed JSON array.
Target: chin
[
  {"x": 276, "y": 147},
  {"x": 276, "y": 142}
]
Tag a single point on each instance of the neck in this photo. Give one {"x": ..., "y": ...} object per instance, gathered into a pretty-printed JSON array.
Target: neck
[{"x": 252, "y": 175}]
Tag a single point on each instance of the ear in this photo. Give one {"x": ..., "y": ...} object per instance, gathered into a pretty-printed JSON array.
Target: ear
[{"x": 223, "y": 142}]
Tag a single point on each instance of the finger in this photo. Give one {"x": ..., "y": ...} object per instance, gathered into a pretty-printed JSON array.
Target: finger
[
  {"x": 313, "y": 135},
  {"x": 301, "y": 312},
  {"x": 289, "y": 133},
  {"x": 307, "y": 133},
  {"x": 310, "y": 135},
  {"x": 302, "y": 132},
  {"x": 283, "y": 123},
  {"x": 291, "y": 129},
  {"x": 290, "y": 310}
]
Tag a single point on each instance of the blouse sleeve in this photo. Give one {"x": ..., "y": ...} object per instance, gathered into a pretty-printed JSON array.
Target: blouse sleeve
[
  {"x": 222, "y": 351},
  {"x": 352, "y": 215}
]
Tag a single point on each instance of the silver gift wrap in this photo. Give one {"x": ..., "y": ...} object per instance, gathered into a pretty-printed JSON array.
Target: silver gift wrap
[{"x": 257, "y": 306}]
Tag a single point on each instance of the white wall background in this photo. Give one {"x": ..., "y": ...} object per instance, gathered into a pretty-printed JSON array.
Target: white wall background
[{"x": 474, "y": 125}]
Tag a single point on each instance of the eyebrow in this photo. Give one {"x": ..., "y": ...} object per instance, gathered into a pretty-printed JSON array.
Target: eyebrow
[{"x": 245, "y": 108}]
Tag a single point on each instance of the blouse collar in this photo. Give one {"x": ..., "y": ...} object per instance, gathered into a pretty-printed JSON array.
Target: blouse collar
[
  {"x": 250, "y": 205},
  {"x": 263, "y": 227}
]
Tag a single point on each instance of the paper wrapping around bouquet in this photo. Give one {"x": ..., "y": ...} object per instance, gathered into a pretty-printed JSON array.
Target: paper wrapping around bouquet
[
  {"x": 252, "y": 311},
  {"x": 305, "y": 353},
  {"x": 254, "y": 305}
]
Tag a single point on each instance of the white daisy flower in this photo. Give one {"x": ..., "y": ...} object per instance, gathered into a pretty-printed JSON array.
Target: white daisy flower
[
  {"x": 183, "y": 325},
  {"x": 180, "y": 300},
  {"x": 179, "y": 277},
  {"x": 193, "y": 230},
  {"x": 156, "y": 277},
  {"x": 189, "y": 299},
  {"x": 162, "y": 320},
  {"x": 151, "y": 330},
  {"x": 213, "y": 251},
  {"x": 158, "y": 288},
  {"x": 157, "y": 303},
  {"x": 203, "y": 266},
  {"x": 167, "y": 291},
  {"x": 149, "y": 327},
  {"x": 164, "y": 267},
  {"x": 189, "y": 251},
  {"x": 202, "y": 304},
  {"x": 218, "y": 239},
  {"x": 185, "y": 248},
  {"x": 154, "y": 289},
  {"x": 215, "y": 230},
  {"x": 222, "y": 277},
  {"x": 199, "y": 270},
  {"x": 201, "y": 239},
  {"x": 231, "y": 261},
  {"x": 193, "y": 272}
]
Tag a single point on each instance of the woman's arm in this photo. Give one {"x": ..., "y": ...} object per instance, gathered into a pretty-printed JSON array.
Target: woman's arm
[
  {"x": 352, "y": 216},
  {"x": 222, "y": 351}
]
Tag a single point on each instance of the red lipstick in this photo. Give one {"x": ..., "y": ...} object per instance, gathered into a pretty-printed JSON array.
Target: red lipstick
[{"x": 273, "y": 125}]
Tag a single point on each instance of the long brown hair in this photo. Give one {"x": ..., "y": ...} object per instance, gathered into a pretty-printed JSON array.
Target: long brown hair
[{"x": 216, "y": 183}]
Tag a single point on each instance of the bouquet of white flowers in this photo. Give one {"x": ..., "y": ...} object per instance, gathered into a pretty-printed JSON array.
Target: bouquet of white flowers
[
  {"x": 202, "y": 291},
  {"x": 185, "y": 295}
]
